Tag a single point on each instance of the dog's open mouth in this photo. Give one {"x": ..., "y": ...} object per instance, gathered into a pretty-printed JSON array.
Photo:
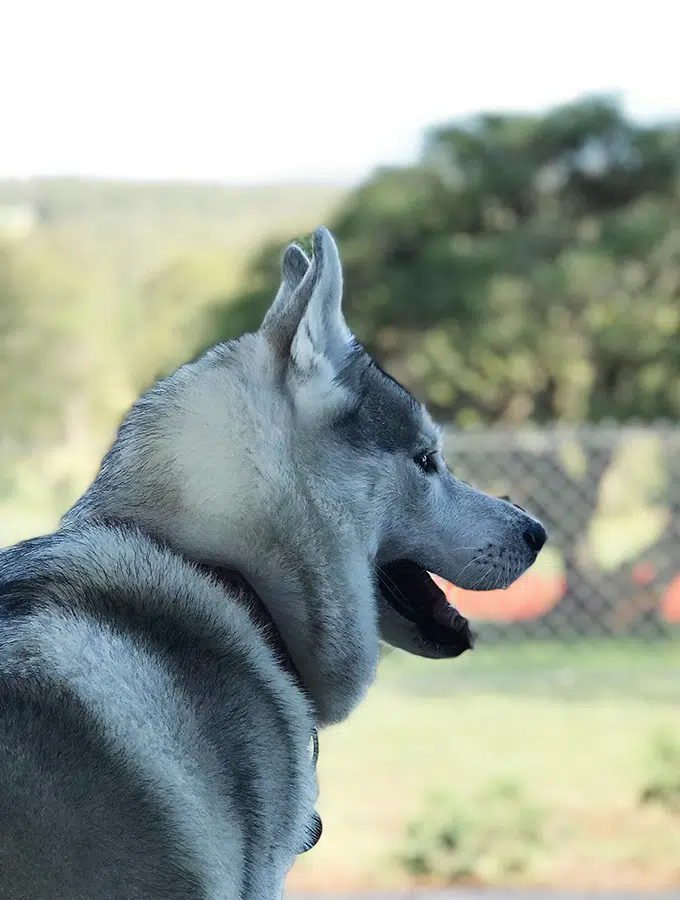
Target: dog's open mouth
[{"x": 411, "y": 591}]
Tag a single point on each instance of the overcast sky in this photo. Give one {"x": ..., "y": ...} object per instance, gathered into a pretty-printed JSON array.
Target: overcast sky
[{"x": 254, "y": 91}]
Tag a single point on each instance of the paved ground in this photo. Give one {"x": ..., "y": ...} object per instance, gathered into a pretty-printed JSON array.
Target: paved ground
[{"x": 484, "y": 894}]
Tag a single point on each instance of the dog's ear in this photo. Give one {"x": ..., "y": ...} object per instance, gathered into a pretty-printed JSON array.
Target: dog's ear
[
  {"x": 322, "y": 333},
  {"x": 305, "y": 321},
  {"x": 283, "y": 317}
]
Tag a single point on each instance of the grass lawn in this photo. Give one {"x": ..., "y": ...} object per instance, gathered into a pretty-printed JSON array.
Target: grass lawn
[{"x": 572, "y": 727}]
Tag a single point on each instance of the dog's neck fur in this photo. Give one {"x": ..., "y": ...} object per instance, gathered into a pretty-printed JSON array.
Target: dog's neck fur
[
  {"x": 316, "y": 583},
  {"x": 309, "y": 567},
  {"x": 316, "y": 607},
  {"x": 211, "y": 463},
  {"x": 320, "y": 693},
  {"x": 230, "y": 579}
]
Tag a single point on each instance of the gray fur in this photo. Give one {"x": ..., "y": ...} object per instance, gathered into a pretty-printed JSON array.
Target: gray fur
[
  {"x": 153, "y": 743},
  {"x": 280, "y": 323}
]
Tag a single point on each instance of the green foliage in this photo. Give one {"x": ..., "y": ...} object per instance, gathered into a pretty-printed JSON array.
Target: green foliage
[
  {"x": 103, "y": 287},
  {"x": 111, "y": 281},
  {"x": 496, "y": 836},
  {"x": 528, "y": 267},
  {"x": 39, "y": 312},
  {"x": 662, "y": 787}
]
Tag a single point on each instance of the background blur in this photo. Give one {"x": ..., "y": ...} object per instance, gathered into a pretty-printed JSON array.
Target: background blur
[{"x": 504, "y": 185}]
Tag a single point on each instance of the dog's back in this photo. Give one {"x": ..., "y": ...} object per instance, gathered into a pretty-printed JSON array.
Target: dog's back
[{"x": 150, "y": 743}]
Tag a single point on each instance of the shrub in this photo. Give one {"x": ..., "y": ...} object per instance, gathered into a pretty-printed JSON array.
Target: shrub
[
  {"x": 494, "y": 837},
  {"x": 663, "y": 783}
]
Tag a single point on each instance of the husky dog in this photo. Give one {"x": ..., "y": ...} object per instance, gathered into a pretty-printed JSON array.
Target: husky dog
[{"x": 266, "y": 516}]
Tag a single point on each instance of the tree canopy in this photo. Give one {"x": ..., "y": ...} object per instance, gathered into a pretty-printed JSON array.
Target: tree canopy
[{"x": 526, "y": 268}]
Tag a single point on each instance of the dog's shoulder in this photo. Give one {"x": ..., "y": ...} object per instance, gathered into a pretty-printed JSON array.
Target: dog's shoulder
[
  {"x": 120, "y": 656},
  {"x": 116, "y": 580},
  {"x": 74, "y": 568}
]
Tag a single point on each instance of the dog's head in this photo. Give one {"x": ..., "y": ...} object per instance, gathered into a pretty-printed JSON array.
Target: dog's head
[{"x": 375, "y": 447}]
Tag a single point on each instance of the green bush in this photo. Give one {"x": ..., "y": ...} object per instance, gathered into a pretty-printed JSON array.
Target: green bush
[
  {"x": 494, "y": 837},
  {"x": 663, "y": 784}
]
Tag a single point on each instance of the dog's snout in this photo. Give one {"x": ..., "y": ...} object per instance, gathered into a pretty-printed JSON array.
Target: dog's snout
[{"x": 535, "y": 535}]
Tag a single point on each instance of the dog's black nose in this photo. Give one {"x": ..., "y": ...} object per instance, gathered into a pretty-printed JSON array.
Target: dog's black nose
[{"x": 535, "y": 536}]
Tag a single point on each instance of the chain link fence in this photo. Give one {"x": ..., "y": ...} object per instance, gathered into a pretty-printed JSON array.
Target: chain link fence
[{"x": 609, "y": 497}]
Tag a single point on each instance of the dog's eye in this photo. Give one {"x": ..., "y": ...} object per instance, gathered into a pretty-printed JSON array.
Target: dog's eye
[{"x": 426, "y": 461}]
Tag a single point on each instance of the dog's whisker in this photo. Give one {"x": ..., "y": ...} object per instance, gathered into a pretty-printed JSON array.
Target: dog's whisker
[
  {"x": 480, "y": 581},
  {"x": 472, "y": 562}
]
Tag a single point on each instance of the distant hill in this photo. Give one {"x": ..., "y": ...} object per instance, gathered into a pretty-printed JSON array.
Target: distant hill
[{"x": 162, "y": 216}]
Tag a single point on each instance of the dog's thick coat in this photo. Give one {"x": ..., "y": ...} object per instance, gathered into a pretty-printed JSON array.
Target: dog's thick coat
[{"x": 154, "y": 736}]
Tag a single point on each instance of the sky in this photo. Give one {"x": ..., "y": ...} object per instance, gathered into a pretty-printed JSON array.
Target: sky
[{"x": 256, "y": 91}]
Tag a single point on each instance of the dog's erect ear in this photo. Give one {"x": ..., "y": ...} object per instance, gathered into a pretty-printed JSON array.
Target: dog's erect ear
[
  {"x": 283, "y": 317},
  {"x": 305, "y": 320},
  {"x": 322, "y": 332}
]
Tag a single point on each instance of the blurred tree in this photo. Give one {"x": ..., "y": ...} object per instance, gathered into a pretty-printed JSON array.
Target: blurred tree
[
  {"x": 166, "y": 315},
  {"x": 528, "y": 267},
  {"x": 104, "y": 286},
  {"x": 39, "y": 362}
]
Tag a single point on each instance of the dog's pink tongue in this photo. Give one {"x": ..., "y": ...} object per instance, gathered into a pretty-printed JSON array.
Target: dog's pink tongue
[{"x": 444, "y": 613}]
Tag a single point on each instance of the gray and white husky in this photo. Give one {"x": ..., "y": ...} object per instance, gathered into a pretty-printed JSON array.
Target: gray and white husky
[{"x": 266, "y": 516}]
